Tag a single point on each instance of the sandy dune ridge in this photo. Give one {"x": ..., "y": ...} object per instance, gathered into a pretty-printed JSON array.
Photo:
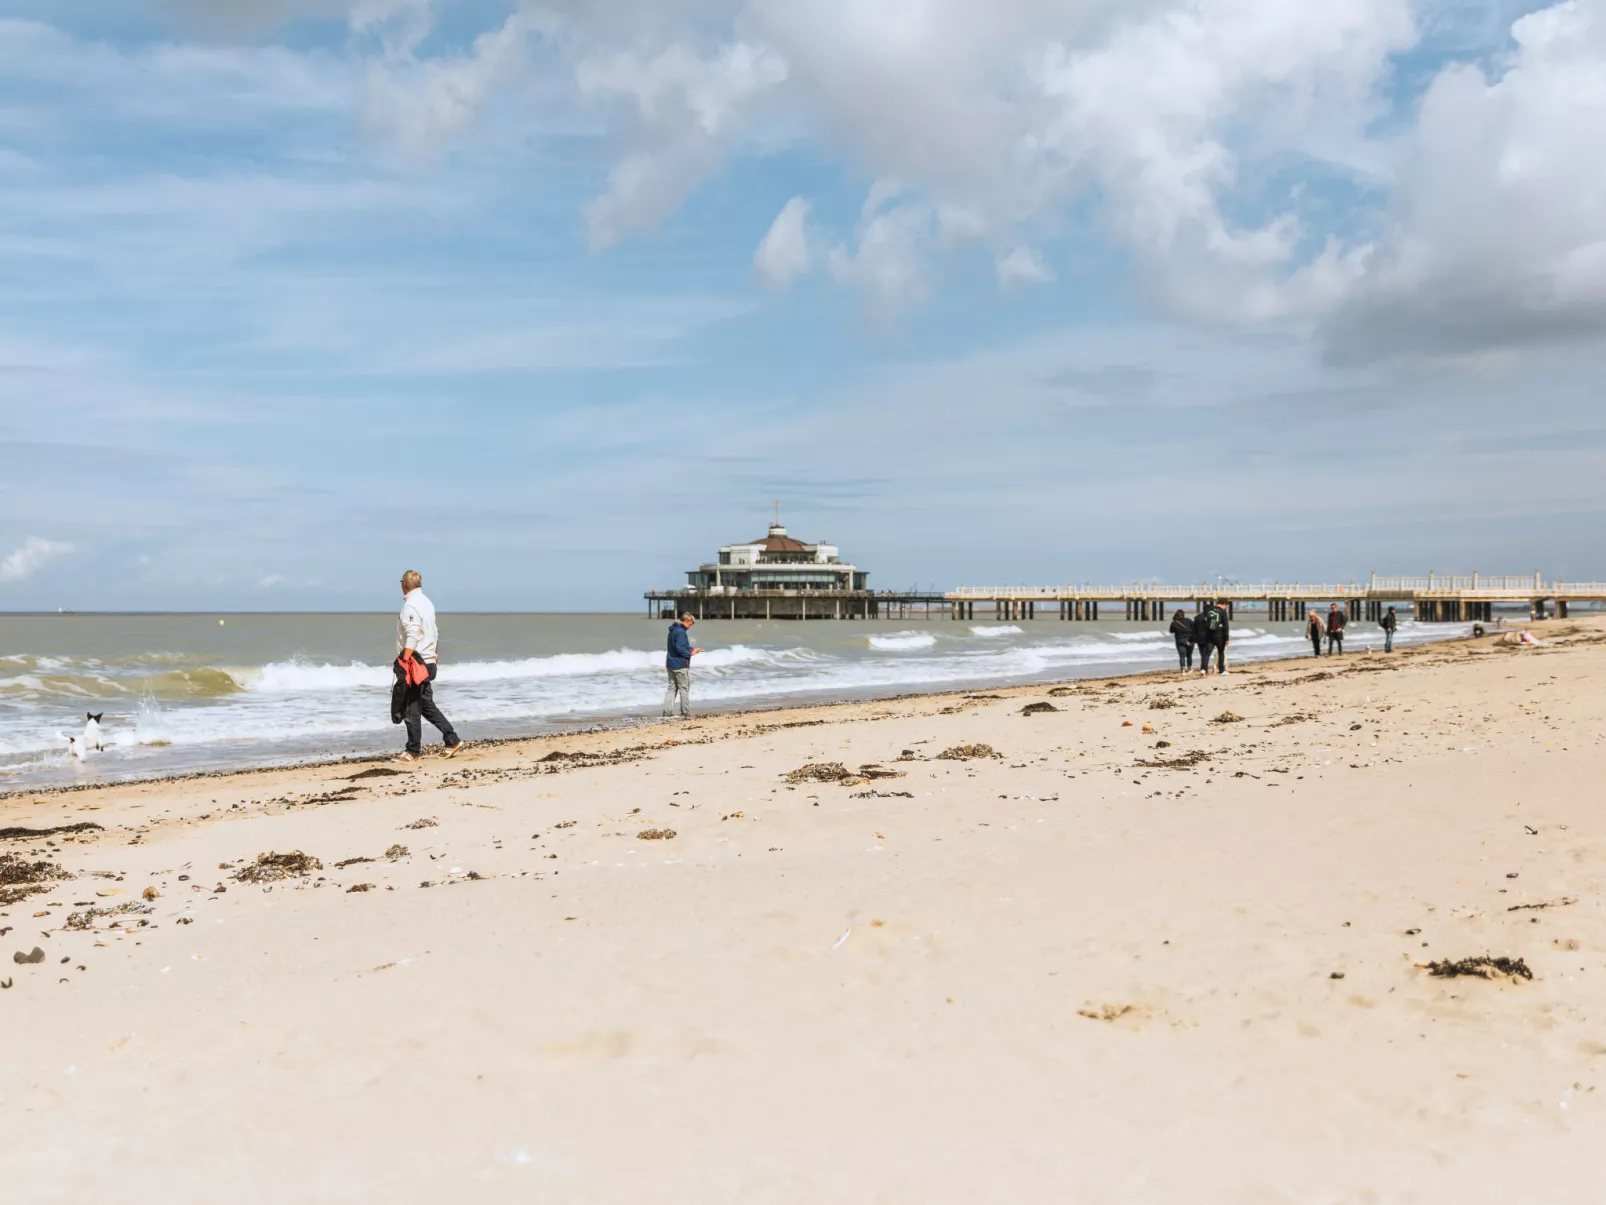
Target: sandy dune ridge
[{"x": 1108, "y": 964}]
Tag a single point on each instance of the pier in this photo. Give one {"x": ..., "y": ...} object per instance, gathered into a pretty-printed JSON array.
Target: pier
[{"x": 1432, "y": 599}]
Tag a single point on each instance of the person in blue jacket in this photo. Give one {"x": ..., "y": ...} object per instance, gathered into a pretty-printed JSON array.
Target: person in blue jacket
[{"x": 679, "y": 666}]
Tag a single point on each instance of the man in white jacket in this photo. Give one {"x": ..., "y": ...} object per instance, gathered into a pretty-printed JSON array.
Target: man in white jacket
[{"x": 418, "y": 638}]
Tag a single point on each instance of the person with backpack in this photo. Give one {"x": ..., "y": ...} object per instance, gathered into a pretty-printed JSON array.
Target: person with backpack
[
  {"x": 1210, "y": 633},
  {"x": 1388, "y": 623},
  {"x": 1314, "y": 629},
  {"x": 1336, "y": 620},
  {"x": 1182, "y": 633}
]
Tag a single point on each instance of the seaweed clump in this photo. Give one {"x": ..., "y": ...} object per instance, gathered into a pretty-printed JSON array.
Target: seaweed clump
[
  {"x": 272, "y": 867},
  {"x": 1228, "y": 717},
  {"x": 20, "y": 879},
  {"x": 1183, "y": 761},
  {"x": 823, "y": 771},
  {"x": 1482, "y": 966},
  {"x": 968, "y": 753},
  {"x": 1036, "y": 708},
  {"x": 656, "y": 834}
]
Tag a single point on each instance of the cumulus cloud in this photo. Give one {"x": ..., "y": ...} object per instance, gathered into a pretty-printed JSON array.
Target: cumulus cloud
[
  {"x": 1253, "y": 162},
  {"x": 1022, "y": 266},
  {"x": 682, "y": 112},
  {"x": 785, "y": 252},
  {"x": 1496, "y": 231},
  {"x": 27, "y": 560}
]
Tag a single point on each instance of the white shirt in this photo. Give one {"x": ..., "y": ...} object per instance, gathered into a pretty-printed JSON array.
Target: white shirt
[{"x": 415, "y": 627}]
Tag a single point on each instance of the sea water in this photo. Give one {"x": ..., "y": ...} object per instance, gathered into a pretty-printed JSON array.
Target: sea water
[{"x": 188, "y": 692}]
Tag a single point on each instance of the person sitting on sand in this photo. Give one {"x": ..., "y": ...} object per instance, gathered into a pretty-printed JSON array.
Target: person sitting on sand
[
  {"x": 1315, "y": 630},
  {"x": 1182, "y": 633},
  {"x": 418, "y": 639},
  {"x": 679, "y": 666},
  {"x": 1336, "y": 620}
]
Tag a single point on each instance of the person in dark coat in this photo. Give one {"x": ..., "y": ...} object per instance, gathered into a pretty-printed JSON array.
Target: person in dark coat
[
  {"x": 1388, "y": 623},
  {"x": 678, "y": 664},
  {"x": 1336, "y": 620},
  {"x": 1182, "y": 633},
  {"x": 1210, "y": 633}
]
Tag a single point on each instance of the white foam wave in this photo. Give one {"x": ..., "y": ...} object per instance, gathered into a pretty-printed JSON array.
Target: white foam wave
[
  {"x": 289, "y": 677},
  {"x": 1142, "y": 635},
  {"x": 995, "y": 629},
  {"x": 903, "y": 641}
]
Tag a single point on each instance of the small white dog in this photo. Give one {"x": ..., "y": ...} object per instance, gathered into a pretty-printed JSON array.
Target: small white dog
[
  {"x": 75, "y": 746},
  {"x": 92, "y": 730}
]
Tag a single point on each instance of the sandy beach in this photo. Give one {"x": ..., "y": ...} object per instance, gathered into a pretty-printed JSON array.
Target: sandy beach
[{"x": 1169, "y": 944}]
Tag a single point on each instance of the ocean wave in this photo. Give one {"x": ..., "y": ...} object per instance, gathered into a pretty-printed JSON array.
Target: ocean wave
[
  {"x": 995, "y": 629},
  {"x": 902, "y": 641},
  {"x": 1141, "y": 635},
  {"x": 291, "y": 677}
]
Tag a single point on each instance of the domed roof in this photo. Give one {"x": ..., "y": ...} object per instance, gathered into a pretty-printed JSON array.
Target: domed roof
[{"x": 779, "y": 541}]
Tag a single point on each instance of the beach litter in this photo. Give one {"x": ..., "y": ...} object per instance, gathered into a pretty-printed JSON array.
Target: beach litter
[
  {"x": 968, "y": 753},
  {"x": 272, "y": 867},
  {"x": 1482, "y": 967},
  {"x": 656, "y": 834},
  {"x": 1037, "y": 708}
]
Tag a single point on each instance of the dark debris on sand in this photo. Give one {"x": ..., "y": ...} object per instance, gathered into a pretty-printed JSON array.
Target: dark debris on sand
[
  {"x": 835, "y": 771},
  {"x": 1037, "y": 708},
  {"x": 272, "y": 867},
  {"x": 374, "y": 772},
  {"x": 968, "y": 753},
  {"x": 656, "y": 834},
  {"x": 21, "y": 834},
  {"x": 1228, "y": 717},
  {"x": 19, "y": 879},
  {"x": 1183, "y": 761},
  {"x": 1162, "y": 703},
  {"x": 1482, "y": 966}
]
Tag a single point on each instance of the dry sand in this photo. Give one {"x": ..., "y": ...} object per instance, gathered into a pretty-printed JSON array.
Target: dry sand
[{"x": 1058, "y": 975}]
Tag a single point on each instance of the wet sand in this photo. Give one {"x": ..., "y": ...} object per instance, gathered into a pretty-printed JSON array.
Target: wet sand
[{"x": 1069, "y": 972}]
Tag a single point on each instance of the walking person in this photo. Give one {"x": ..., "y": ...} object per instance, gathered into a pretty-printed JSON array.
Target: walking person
[
  {"x": 1315, "y": 630},
  {"x": 1210, "y": 634},
  {"x": 1336, "y": 620},
  {"x": 1223, "y": 634},
  {"x": 678, "y": 696},
  {"x": 417, "y": 663},
  {"x": 1388, "y": 623},
  {"x": 1182, "y": 633}
]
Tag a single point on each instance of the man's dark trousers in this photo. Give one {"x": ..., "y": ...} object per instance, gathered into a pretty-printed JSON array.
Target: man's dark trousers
[{"x": 421, "y": 702}]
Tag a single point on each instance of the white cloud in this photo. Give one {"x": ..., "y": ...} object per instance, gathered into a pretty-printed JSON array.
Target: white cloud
[
  {"x": 681, "y": 111},
  {"x": 1496, "y": 230},
  {"x": 1022, "y": 266},
  {"x": 27, "y": 560},
  {"x": 890, "y": 262},
  {"x": 785, "y": 252}
]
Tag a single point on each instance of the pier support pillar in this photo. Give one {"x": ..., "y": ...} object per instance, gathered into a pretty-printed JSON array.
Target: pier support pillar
[{"x": 1561, "y": 608}]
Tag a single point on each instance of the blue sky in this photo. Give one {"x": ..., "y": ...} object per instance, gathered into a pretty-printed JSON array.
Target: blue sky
[{"x": 549, "y": 300}]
